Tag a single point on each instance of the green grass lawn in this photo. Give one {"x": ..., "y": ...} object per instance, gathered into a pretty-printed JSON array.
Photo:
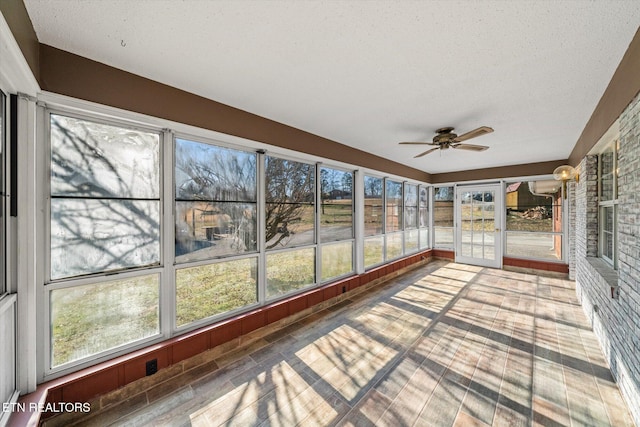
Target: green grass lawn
[
  {"x": 212, "y": 289},
  {"x": 88, "y": 319},
  {"x": 290, "y": 270}
]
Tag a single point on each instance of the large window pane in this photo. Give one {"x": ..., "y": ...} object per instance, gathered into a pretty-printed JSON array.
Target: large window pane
[
  {"x": 207, "y": 290},
  {"x": 105, "y": 197},
  {"x": 337, "y": 259},
  {"x": 534, "y": 219},
  {"x": 373, "y": 250},
  {"x": 290, "y": 270},
  {"x": 443, "y": 217},
  {"x": 607, "y": 214},
  {"x": 215, "y": 201},
  {"x": 534, "y": 206},
  {"x": 373, "y": 206},
  {"x": 292, "y": 225},
  {"x": 93, "y": 235},
  {"x": 443, "y": 237},
  {"x": 443, "y": 207},
  {"x": 424, "y": 238},
  {"x": 336, "y": 210},
  {"x": 393, "y": 213},
  {"x": 206, "y": 230},
  {"x": 96, "y": 160},
  {"x": 394, "y": 245},
  {"x": 89, "y": 319},
  {"x": 534, "y": 245},
  {"x": 423, "y": 207},
  {"x": 209, "y": 172},
  {"x": 410, "y": 206},
  {"x": 290, "y": 213},
  {"x": 411, "y": 241}
]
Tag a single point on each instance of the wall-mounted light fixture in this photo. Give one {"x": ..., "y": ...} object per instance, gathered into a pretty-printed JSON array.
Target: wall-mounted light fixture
[{"x": 565, "y": 173}]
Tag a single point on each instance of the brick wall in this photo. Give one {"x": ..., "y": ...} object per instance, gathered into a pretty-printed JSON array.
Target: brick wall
[{"x": 616, "y": 322}]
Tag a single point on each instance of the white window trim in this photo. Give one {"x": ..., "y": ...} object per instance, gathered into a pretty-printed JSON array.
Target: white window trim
[
  {"x": 564, "y": 246},
  {"x": 432, "y": 202},
  {"x": 352, "y": 239}
]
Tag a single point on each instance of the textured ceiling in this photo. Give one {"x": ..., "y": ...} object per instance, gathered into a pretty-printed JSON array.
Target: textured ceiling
[{"x": 370, "y": 74}]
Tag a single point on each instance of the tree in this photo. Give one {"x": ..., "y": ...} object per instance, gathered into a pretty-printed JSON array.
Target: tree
[{"x": 289, "y": 190}]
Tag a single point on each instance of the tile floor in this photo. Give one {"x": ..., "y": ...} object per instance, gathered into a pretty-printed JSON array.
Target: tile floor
[{"x": 443, "y": 345}]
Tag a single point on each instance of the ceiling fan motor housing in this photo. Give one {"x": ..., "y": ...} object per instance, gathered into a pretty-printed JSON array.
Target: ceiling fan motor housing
[{"x": 444, "y": 136}]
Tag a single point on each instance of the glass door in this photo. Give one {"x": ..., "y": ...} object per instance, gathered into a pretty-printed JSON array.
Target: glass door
[{"x": 478, "y": 219}]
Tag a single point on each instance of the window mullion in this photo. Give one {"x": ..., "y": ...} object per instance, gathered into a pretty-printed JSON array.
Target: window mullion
[
  {"x": 359, "y": 217},
  {"x": 167, "y": 231},
  {"x": 316, "y": 223},
  {"x": 262, "y": 225}
]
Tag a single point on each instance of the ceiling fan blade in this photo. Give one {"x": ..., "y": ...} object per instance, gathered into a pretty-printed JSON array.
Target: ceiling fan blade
[
  {"x": 416, "y": 143},
  {"x": 482, "y": 130},
  {"x": 426, "y": 152},
  {"x": 470, "y": 147}
]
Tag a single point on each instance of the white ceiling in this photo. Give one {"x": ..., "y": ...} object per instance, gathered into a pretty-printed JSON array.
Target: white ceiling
[{"x": 370, "y": 74}]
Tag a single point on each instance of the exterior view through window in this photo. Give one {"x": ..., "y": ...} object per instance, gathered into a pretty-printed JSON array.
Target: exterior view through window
[
  {"x": 423, "y": 217},
  {"x": 534, "y": 219},
  {"x": 443, "y": 217},
  {"x": 105, "y": 217},
  {"x": 336, "y": 222},
  {"x": 290, "y": 225},
  {"x": 411, "y": 235},
  {"x": 393, "y": 219},
  {"x": 215, "y": 222},
  {"x": 373, "y": 221}
]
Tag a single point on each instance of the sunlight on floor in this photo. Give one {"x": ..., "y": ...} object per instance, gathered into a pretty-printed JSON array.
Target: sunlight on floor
[{"x": 346, "y": 359}]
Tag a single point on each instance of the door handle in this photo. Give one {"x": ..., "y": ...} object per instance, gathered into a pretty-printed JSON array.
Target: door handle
[{"x": 497, "y": 230}]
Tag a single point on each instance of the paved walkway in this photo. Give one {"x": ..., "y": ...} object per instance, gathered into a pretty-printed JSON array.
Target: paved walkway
[{"x": 444, "y": 345}]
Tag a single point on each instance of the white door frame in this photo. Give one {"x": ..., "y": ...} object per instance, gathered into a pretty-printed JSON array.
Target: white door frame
[{"x": 497, "y": 190}]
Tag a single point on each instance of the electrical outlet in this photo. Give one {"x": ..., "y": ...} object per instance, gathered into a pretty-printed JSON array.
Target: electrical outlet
[{"x": 152, "y": 366}]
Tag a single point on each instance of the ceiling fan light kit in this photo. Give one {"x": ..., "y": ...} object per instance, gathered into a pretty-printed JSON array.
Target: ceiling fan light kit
[{"x": 445, "y": 138}]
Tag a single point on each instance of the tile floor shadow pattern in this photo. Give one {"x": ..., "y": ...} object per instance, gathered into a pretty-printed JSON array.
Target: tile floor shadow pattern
[{"x": 443, "y": 345}]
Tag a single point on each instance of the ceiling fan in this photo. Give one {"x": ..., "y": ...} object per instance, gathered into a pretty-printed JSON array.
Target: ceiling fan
[{"x": 445, "y": 138}]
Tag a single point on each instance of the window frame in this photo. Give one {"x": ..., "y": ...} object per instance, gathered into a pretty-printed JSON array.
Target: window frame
[
  {"x": 47, "y": 173},
  {"x": 175, "y": 201},
  {"x": 433, "y": 217},
  {"x": 398, "y": 231},
  {"x": 4, "y": 198},
  {"x": 166, "y": 268},
  {"x": 410, "y": 228},
  {"x": 314, "y": 203},
  {"x": 50, "y": 285},
  {"x": 563, "y": 207},
  {"x": 427, "y": 225},
  {"x": 603, "y": 205},
  {"x": 322, "y": 244},
  {"x": 176, "y": 266},
  {"x": 381, "y": 235}
]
